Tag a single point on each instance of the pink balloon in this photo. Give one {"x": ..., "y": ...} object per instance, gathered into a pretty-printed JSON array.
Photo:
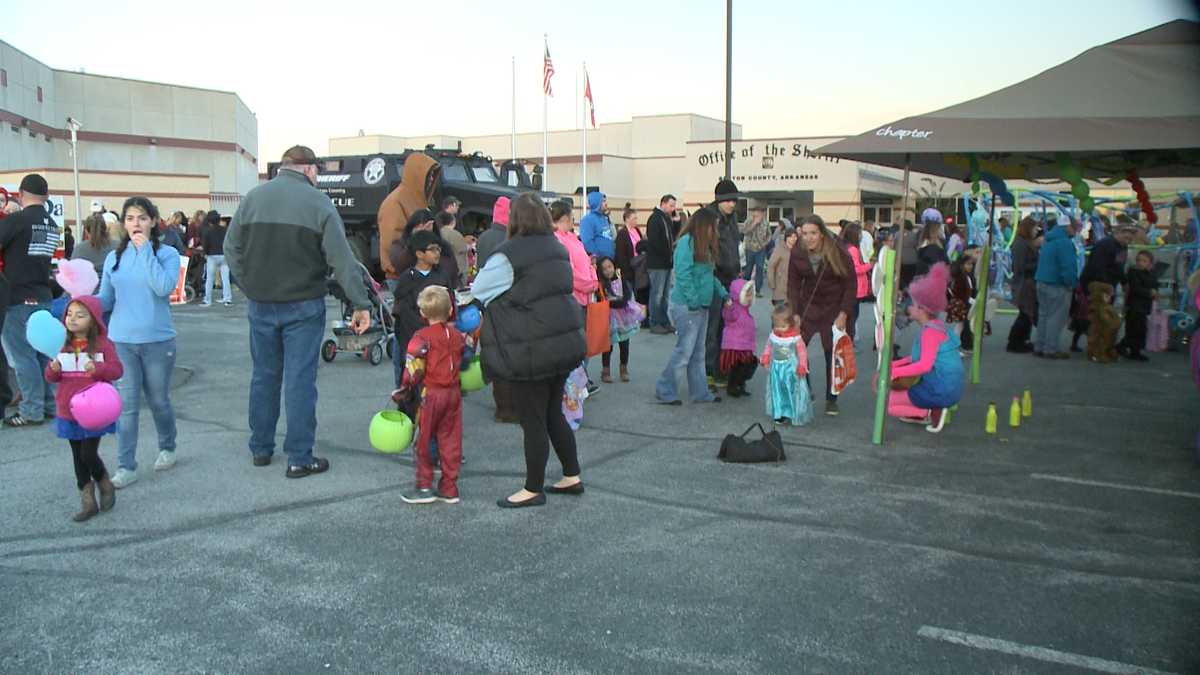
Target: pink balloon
[
  {"x": 77, "y": 277},
  {"x": 97, "y": 406}
]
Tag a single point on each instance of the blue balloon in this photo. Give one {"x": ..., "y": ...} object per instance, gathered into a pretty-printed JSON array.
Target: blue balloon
[
  {"x": 468, "y": 319},
  {"x": 45, "y": 333},
  {"x": 998, "y": 188}
]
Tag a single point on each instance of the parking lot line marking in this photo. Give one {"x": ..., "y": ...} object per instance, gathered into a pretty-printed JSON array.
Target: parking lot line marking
[
  {"x": 1118, "y": 486},
  {"x": 1039, "y": 653}
]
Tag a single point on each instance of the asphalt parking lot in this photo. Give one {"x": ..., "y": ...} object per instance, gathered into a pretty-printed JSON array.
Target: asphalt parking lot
[{"x": 1067, "y": 545}]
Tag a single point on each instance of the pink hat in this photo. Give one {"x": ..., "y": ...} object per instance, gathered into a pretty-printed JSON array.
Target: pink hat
[
  {"x": 500, "y": 211},
  {"x": 929, "y": 291}
]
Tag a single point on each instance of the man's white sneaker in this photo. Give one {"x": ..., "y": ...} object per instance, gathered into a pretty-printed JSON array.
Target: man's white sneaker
[
  {"x": 166, "y": 460},
  {"x": 123, "y": 478}
]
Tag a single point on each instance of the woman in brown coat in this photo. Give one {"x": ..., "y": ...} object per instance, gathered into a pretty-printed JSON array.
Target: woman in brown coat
[{"x": 822, "y": 289}]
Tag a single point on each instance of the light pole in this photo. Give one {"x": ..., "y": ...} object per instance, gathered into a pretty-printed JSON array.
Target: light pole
[
  {"x": 728, "y": 87},
  {"x": 74, "y": 126}
]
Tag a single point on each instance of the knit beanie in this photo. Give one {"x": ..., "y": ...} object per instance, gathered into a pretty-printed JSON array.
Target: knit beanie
[
  {"x": 500, "y": 211},
  {"x": 726, "y": 191},
  {"x": 929, "y": 291}
]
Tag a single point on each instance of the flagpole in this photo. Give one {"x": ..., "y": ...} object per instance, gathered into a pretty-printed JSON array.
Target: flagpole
[
  {"x": 583, "y": 206},
  {"x": 514, "y": 109},
  {"x": 545, "y": 130}
]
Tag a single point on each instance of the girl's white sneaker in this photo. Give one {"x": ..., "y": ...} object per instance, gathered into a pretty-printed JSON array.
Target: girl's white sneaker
[{"x": 166, "y": 460}]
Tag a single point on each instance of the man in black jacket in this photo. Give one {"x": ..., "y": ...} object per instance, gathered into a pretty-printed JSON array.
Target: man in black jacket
[
  {"x": 660, "y": 245},
  {"x": 728, "y": 266},
  {"x": 28, "y": 240}
]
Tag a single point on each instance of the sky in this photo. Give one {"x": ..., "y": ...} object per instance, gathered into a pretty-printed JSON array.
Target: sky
[{"x": 316, "y": 70}]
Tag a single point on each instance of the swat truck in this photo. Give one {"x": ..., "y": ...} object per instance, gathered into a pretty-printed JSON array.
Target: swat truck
[{"x": 358, "y": 184}]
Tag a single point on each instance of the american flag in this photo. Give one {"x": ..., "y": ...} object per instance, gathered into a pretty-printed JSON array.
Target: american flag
[{"x": 547, "y": 73}]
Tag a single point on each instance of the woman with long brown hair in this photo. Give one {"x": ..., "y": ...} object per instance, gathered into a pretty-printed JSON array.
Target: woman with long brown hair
[
  {"x": 823, "y": 289},
  {"x": 1025, "y": 247},
  {"x": 695, "y": 288},
  {"x": 96, "y": 244},
  {"x": 532, "y": 338}
]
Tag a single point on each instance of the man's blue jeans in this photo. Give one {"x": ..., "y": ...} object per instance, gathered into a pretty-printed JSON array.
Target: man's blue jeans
[
  {"x": 147, "y": 367},
  {"x": 37, "y": 395},
  {"x": 285, "y": 341},
  {"x": 756, "y": 263},
  {"x": 660, "y": 293},
  {"x": 1054, "y": 306},
  {"x": 690, "y": 330}
]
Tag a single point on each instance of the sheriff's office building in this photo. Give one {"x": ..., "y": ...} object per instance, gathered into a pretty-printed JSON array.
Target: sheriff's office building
[
  {"x": 640, "y": 160},
  {"x": 185, "y": 148}
]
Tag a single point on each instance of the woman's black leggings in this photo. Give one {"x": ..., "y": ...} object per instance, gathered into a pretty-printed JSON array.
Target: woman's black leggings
[
  {"x": 826, "y": 335},
  {"x": 88, "y": 465},
  {"x": 606, "y": 357},
  {"x": 539, "y": 407}
]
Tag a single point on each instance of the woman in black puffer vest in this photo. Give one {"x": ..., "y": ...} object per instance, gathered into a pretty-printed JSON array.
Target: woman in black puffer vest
[{"x": 532, "y": 338}]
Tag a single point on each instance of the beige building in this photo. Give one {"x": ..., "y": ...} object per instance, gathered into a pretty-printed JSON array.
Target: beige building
[
  {"x": 185, "y": 148},
  {"x": 640, "y": 160}
]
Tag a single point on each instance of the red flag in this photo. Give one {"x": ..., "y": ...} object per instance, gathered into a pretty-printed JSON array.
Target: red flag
[
  {"x": 547, "y": 73},
  {"x": 587, "y": 96}
]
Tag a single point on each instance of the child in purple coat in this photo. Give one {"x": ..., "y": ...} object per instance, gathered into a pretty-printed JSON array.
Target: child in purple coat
[{"x": 738, "y": 341}]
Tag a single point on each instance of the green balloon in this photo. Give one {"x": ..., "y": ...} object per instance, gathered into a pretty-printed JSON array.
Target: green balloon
[
  {"x": 1070, "y": 173},
  {"x": 1087, "y": 204},
  {"x": 1080, "y": 190}
]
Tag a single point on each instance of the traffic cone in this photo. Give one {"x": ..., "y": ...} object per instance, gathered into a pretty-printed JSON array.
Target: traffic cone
[
  {"x": 1027, "y": 404},
  {"x": 990, "y": 427},
  {"x": 1014, "y": 413}
]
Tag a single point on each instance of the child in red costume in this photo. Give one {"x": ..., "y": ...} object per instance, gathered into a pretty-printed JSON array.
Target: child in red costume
[
  {"x": 87, "y": 357},
  {"x": 434, "y": 359}
]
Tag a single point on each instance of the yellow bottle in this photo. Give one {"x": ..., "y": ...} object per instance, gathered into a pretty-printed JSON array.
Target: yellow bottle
[
  {"x": 1027, "y": 404},
  {"x": 991, "y": 418},
  {"x": 1014, "y": 413}
]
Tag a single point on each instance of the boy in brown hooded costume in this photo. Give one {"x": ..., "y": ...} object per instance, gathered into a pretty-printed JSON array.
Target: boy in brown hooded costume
[
  {"x": 416, "y": 191},
  {"x": 1104, "y": 323}
]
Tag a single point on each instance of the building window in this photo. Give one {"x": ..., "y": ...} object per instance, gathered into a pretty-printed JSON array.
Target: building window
[
  {"x": 3, "y": 77},
  {"x": 39, "y": 94}
]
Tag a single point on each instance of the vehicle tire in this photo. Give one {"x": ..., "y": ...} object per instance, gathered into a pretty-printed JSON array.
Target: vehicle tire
[
  {"x": 375, "y": 354},
  {"x": 328, "y": 350}
]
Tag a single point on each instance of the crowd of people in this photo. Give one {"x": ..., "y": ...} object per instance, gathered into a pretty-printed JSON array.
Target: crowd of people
[{"x": 536, "y": 276}]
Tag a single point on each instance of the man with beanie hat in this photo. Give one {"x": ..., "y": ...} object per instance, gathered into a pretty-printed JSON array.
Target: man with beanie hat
[
  {"x": 728, "y": 266},
  {"x": 28, "y": 240}
]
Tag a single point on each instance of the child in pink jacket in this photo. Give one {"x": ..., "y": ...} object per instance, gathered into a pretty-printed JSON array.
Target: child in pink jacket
[
  {"x": 739, "y": 353},
  {"x": 87, "y": 357}
]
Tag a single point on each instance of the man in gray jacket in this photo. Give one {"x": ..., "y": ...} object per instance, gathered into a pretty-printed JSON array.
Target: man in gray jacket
[{"x": 284, "y": 237}]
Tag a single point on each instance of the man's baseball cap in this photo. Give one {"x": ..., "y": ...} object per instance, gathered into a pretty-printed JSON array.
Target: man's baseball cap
[
  {"x": 300, "y": 154},
  {"x": 97, "y": 207},
  {"x": 34, "y": 184}
]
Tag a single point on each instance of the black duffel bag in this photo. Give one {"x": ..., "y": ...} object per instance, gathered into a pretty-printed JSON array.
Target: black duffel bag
[{"x": 737, "y": 448}]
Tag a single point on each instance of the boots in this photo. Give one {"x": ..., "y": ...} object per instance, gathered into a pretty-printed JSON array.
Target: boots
[
  {"x": 87, "y": 503},
  {"x": 108, "y": 492},
  {"x": 624, "y": 374},
  {"x": 606, "y": 375}
]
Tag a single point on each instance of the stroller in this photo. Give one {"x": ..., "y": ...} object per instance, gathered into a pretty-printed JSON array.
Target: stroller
[{"x": 377, "y": 339}]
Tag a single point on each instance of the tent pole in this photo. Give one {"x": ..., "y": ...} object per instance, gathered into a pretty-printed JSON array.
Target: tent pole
[
  {"x": 981, "y": 294},
  {"x": 883, "y": 388},
  {"x": 891, "y": 268}
]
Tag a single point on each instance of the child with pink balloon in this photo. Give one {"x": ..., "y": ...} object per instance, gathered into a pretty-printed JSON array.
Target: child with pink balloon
[{"x": 88, "y": 405}]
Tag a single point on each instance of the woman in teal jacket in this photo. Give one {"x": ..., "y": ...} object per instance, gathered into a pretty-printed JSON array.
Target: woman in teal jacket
[{"x": 694, "y": 291}]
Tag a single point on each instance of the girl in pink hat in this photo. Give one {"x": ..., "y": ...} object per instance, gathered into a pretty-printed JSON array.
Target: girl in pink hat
[{"x": 935, "y": 363}]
